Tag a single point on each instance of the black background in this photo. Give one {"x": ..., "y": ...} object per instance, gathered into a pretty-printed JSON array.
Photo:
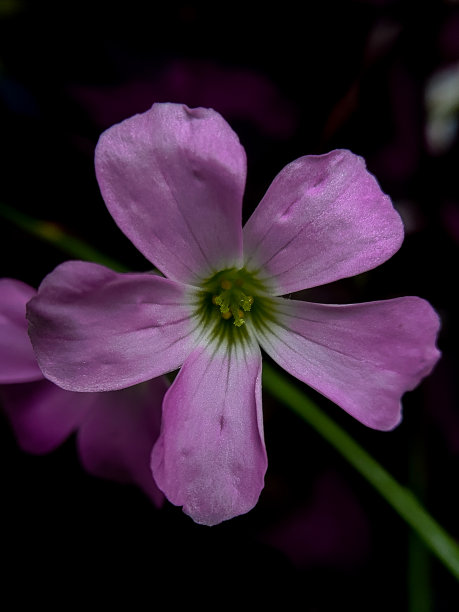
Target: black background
[{"x": 337, "y": 74}]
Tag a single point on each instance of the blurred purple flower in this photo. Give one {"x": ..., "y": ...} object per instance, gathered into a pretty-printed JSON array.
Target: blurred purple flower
[
  {"x": 115, "y": 430},
  {"x": 173, "y": 179},
  {"x": 448, "y": 39},
  {"x": 398, "y": 159},
  {"x": 239, "y": 93},
  {"x": 330, "y": 530},
  {"x": 450, "y": 218}
]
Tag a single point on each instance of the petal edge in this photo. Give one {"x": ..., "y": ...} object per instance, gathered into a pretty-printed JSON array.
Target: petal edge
[{"x": 361, "y": 356}]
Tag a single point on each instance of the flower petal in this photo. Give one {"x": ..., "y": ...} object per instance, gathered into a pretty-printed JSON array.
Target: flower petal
[
  {"x": 211, "y": 456},
  {"x": 323, "y": 218},
  {"x": 117, "y": 436},
  {"x": 96, "y": 330},
  {"x": 173, "y": 179},
  {"x": 17, "y": 361},
  {"x": 43, "y": 415},
  {"x": 361, "y": 356}
]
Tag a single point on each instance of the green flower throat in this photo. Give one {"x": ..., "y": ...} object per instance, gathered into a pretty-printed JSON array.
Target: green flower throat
[{"x": 230, "y": 302}]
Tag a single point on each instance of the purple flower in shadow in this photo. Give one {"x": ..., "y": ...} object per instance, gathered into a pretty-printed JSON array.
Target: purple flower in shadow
[
  {"x": 173, "y": 179},
  {"x": 115, "y": 430},
  {"x": 239, "y": 93},
  {"x": 332, "y": 529}
]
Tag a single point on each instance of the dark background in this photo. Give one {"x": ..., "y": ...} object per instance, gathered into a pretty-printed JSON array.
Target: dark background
[{"x": 339, "y": 74}]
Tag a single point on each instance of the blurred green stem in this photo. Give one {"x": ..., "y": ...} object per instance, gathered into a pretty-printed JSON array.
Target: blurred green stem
[
  {"x": 54, "y": 234},
  {"x": 401, "y": 499},
  {"x": 419, "y": 580}
]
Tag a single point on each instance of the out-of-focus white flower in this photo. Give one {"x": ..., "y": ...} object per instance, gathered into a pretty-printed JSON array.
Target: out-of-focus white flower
[{"x": 442, "y": 105}]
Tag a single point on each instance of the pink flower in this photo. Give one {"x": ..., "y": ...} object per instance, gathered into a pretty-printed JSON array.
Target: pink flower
[
  {"x": 115, "y": 431},
  {"x": 173, "y": 180}
]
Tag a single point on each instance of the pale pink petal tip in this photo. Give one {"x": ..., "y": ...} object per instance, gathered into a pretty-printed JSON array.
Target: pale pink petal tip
[
  {"x": 323, "y": 218},
  {"x": 210, "y": 457},
  {"x": 363, "y": 357},
  {"x": 173, "y": 179}
]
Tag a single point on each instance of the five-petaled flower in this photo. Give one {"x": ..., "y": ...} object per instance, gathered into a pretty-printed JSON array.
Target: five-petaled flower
[{"x": 173, "y": 180}]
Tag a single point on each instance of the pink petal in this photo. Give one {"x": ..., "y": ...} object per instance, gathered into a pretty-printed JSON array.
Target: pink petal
[
  {"x": 323, "y": 218},
  {"x": 173, "y": 179},
  {"x": 96, "y": 330},
  {"x": 43, "y": 415},
  {"x": 17, "y": 361},
  {"x": 117, "y": 436},
  {"x": 211, "y": 456},
  {"x": 361, "y": 356}
]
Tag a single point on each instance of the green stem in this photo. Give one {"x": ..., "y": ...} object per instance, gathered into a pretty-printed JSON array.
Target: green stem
[
  {"x": 419, "y": 580},
  {"x": 52, "y": 233},
  {"x": 400, "y": 498}
]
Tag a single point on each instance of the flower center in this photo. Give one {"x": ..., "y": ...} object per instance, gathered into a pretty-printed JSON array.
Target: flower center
[{"x": 230, "y": 301}]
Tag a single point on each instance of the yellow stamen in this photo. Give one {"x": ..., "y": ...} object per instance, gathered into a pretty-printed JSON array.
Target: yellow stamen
[
  {"x": 246, "y": 302},
  {"x": 232, "y": 301}
]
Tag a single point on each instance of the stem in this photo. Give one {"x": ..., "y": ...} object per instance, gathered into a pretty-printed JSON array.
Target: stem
[
  {"x": 400, "y": 498},
  {"x": 52, "y": 233},
  {"x": 419, "y": 580}
]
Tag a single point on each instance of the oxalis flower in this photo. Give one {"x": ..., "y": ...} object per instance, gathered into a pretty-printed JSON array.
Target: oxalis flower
[{"x": 173, "y": 180}]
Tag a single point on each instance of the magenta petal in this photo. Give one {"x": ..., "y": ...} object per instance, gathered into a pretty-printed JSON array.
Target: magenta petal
[
  {"x": 361, "y": 356},
  {"x": 117, "y": 436},
  {"x": 323, "y": 218},
  {"x": 43, "y": 415},
  {"x": 17, "y": 360},
  {"x": 173, "y": 179},
  {"x": 96, "y": 330},
  {"x": 211, "y": 456}
]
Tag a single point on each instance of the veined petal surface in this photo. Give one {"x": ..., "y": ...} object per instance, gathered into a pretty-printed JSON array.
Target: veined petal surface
[
  {"x": 43, "y": 415},
  {"x": 173, "y": 179},
  {"x": 323, "y": 218},
  {"x": 17, "y": 361},
  {"x": 210, "y": 457},
  {"x": 96, "y": 330},
  {"x": 361, "y": 356},
  {"x": 118, "y": 433}
]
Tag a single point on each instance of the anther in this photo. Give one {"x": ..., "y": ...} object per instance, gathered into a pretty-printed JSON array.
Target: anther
[
  {"x": 246, "y": 302},
  {"x": 232, "y": 301}
]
